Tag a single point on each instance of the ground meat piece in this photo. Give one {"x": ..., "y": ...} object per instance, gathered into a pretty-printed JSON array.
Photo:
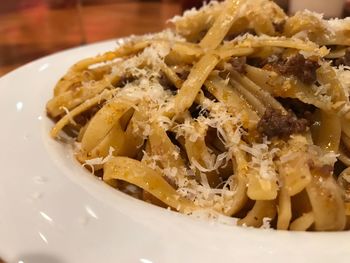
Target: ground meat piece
[
  {"x": 164, "y": 81},
  {"x": 275, "y": 124},
  {"x": 279, "y": 26},
  {"x": 298, "y": 66},
  {"x": 326, "y": 170},
  {"x": 343, "y": 60},
  {"x": 239, "y": 64}
]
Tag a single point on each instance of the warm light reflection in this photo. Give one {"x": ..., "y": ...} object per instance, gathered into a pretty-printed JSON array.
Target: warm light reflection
[
  {"x": 19, "y": 106},
  {"x": 44, "y": 66},
  {"x": 91, "y": 212},
  {"x": 43, "y": 238},
  {"x": 143, "y": 260},
  {"x": 46, "y": 217}
]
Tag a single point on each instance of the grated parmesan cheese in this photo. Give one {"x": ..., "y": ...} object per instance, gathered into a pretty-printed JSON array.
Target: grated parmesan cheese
[
  {"x": 100, "y": 160},
  {"x": 266, "y": 223},
  {"x": 262, "y": 159},
  {"x": 71, "y": 120},
  {"x": 339, "y": 24}
]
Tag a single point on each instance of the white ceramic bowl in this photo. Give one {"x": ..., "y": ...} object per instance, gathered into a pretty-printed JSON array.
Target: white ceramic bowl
[{"x": 330, "y": 8}]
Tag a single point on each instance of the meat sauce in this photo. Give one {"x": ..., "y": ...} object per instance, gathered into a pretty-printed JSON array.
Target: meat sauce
[{"x": 276, "y": 124}]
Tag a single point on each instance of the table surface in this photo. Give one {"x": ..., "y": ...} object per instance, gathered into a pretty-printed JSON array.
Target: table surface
[{"x": 30, "y": 31}]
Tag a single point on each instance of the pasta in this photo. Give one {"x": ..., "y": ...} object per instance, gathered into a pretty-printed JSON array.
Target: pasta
[{"x": 238, "y": 110}]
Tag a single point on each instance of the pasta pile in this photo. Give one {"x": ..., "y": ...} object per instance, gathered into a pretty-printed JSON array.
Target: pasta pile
[{"x": 237, "y": 111}]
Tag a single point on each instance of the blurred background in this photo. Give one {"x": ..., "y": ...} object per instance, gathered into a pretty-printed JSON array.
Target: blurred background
[{"x": 30, "y": 29}]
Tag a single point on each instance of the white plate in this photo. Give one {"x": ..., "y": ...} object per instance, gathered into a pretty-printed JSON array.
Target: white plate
[{"x": 52, "y": 210}]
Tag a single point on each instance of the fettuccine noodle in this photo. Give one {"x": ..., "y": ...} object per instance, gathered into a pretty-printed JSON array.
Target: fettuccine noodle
[{"x": 238, "y": 111}]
